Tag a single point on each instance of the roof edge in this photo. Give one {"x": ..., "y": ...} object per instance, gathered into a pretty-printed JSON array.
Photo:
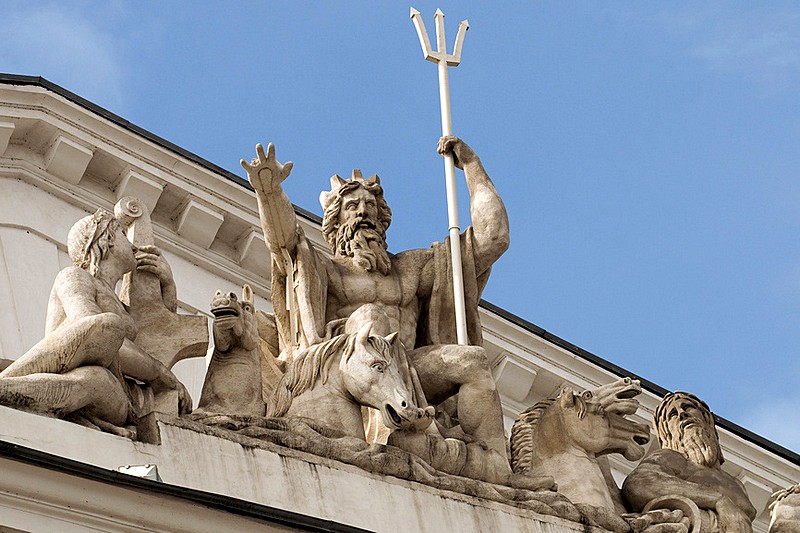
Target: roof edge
[
  {"x": 38, "y": 81},
  {"x": 648, "y": 385}
]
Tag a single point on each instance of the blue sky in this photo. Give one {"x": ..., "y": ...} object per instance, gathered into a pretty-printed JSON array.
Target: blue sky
[{"x": 648, "y": 156}]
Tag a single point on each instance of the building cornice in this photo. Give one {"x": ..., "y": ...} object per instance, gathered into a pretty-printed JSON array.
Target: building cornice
[{"x": 272, "y": 515}]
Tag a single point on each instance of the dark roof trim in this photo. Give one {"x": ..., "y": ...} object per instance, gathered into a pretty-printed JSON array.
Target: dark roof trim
[
  {"x": 561, "y": 343},
  {"x": 16, "y": 79},
  {"x": 209, "y": 499},
  {"x": 724, "y": 423}
]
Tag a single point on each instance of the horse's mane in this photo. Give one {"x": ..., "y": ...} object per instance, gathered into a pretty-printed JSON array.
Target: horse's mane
[
  {"x": 524, "y": 427},
  {"x": 314, "y": 363},
  {"x": 522, "y": 435},
  {"x": 302, "y": 374}
]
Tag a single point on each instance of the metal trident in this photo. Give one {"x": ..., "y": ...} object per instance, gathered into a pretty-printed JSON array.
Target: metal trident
[{"x": 443, "y": 59}]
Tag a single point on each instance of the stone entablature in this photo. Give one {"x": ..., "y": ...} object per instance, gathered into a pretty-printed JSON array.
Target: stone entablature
[
  {"x": 66, "y": 160},
  {"x": 271, "y": 476}
]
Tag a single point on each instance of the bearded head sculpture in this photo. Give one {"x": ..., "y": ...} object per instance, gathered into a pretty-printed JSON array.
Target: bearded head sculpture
[
  {"x": 359, "y": 234},
  {"x": 685, "y": 424}
]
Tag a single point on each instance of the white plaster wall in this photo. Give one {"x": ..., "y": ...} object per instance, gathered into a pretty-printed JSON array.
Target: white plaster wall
[
  {"x": 31, "y": 226},
  {"x": 27, "y": 259}
]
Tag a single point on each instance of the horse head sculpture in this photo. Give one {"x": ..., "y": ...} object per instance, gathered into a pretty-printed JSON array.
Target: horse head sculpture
[
  {"x": 234, "y": 320},
  {"x": 563, "y": 436},
  {"x": 372, "y": 377},
  {"x": 233, "y": 379},
  {"x": 330, "y": 382},
  {"x": 618, "y": 434}
]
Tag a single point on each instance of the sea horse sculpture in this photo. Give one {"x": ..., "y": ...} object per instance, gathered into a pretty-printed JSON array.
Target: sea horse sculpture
[
  {"x": 564, "y": 436},
  {"x": 233, "y": 380}
]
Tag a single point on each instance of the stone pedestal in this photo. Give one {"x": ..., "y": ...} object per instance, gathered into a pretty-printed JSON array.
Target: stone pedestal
[{"x": 57, "y": 476}]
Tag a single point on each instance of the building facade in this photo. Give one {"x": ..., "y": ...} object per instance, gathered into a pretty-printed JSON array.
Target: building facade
[{"x": 62, "y": 157}]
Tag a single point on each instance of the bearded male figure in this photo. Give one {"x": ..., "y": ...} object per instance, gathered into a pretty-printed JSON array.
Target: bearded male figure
[
  {"x": 689, "y": 465},
  {"x": 413, "y": 288}
]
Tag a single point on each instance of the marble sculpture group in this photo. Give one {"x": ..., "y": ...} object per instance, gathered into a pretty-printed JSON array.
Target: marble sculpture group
[{"x": 364, "y": 345}]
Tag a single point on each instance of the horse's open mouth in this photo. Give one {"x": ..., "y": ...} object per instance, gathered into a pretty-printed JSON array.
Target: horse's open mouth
[
  {"x": 226, "y": 311},
  {"x": 394, "y": 417},
  {"x": 628, "y": 394},
  {"x": 623, "y": 400}
]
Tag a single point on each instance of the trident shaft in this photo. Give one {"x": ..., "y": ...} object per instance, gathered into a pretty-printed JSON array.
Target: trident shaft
[{"x": 443, "y": 59}]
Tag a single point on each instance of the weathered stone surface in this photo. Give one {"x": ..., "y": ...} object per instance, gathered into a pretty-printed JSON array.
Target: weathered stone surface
[
  {"x": 35, "y": 230},
  {"x": 306, "y": 482},
  {"x": 80, "y": 369},
  {"x": 233, "y": 380},
  {"x": 331, "y": 381},
  {"x": 563, "y": 437},
  {"x": 310, "y": 436},
  {"x": 785, "y": 511},
  {"x": 688, "y": 465},
  {"x": 330, "y": 373},
  {"x": 161, "y": 332},
  {"x": 312, "y": 293}
]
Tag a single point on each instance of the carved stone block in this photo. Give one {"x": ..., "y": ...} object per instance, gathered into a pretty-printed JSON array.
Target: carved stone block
[
  {"x": 136, "y": 184},
  {"x": 6, "y": 129},
  {"x": 67, "y": 159},
  {"x": 199, "y": 223}
]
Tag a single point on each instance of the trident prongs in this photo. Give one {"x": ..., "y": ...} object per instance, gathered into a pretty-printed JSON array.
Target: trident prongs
[
  {"x": 422, "y": 33},
  {"x": 441, "y": 54},
  {"x": 463, "y": 26},
  {"x": 443, "y": 60}
]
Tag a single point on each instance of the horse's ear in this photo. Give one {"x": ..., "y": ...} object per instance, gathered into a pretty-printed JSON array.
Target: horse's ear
[
  {"x": 393, "y": 339},
  {"x": 567, "y": 397},
  {"x": 247, "y": 294},
  {"x": 363, "y": 333}
]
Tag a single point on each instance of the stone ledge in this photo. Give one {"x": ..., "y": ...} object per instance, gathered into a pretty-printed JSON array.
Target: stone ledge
[{"x": 276, "y": 477}]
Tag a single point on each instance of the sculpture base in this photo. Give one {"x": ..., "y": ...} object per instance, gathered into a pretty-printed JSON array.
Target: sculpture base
[{"x": 57, "y": 476}]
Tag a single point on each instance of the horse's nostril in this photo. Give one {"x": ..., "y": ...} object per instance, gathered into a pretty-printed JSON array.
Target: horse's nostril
[{"x": 403, "y": 404}]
